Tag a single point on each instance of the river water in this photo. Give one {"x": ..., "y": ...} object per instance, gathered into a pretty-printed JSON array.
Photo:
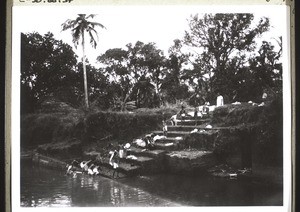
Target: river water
[{"x": 52, "y": 188}]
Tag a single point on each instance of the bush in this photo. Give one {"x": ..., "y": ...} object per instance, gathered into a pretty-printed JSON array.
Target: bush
[
  {"x": 230, "y": 115},
  {"x": 38, "y": 129},
  {"x": 44, "y": 128},
  {"x": 122, "y": 126}
]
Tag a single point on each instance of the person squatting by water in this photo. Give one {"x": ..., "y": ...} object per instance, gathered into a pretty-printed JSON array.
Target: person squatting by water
[
  {"x": 85, "y": 167},
  {"x": 93, "y": 170},
  {"x": 149, "y": 141},
  {"x": 71, "y": 168}
]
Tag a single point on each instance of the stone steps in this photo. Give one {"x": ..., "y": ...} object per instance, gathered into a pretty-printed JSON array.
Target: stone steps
[
  {"x": 185, "y": 128},
  {"x": 189, "y": 161},
  {"x": 193, "y": 118},
  {"x": 169, "y": 140},
  {"x": 190, "y": 122},
  {"x": 151, "y": 161},
  {"x": 108, "y": 172},
  {"x": 173, "y": 134},
  {"x": 170, "y": 146},
  {"x": 127, "y": 168},
  {"x": 156, "y": 154},
  {"x": 139, "y": 160}
]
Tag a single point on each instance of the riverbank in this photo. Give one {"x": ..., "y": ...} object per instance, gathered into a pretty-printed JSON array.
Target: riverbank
[{"x": 241, "y": 135}]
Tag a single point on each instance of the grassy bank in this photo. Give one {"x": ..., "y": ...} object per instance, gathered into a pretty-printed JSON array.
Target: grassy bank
[
  {"x": 249, "y": 127},
  {"x": 61, "y": 133},
  {"x": 257, "y": 128}
]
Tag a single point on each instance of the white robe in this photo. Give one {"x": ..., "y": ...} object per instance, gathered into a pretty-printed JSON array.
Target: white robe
[{"x": 220, "y": 101}]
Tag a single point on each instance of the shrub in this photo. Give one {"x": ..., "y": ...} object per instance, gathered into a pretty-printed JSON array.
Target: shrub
[
  {"x": 122, "y": 126},
  {"x": 38, "y": 129},
  {"x": 44, "y": 128}
]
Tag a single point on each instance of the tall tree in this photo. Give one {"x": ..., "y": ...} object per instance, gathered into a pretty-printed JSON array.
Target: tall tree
[
  {"x": 220, "y": 38},
  {"x": 140, "y": 68},
  {"x": 47, "y": 68},
  {"x": 172, "y": 87},
  {"x": 266, "y": 68},
  {"x": 79, "y": 27},
  {"x": 97, "y": 84},
  {"x": 116, "y": 68}
]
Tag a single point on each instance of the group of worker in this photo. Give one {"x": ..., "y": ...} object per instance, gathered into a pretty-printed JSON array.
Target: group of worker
[{"x": 82, "y": 167}]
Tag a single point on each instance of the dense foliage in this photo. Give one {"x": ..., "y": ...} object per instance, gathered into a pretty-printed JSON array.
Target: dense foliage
[
  {"x": 219, "y": 53},
  {"x": 95, "y": 127}
]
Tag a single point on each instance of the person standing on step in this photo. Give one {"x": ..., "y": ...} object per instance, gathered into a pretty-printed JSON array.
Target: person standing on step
[
  {"x": 114, "y": 161},
  {"x": 165, "y": 128},
  {"x": 121, "y": 151},
  {"x": 220, "y": 100},
  {"x": 205, "y": 109},
  {"x": 196, "y": 111}
]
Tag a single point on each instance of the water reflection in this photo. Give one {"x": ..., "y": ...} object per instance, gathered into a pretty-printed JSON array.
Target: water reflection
[
  {"x": 44, "y": 187},
  {"x": 208, "y": 191}
]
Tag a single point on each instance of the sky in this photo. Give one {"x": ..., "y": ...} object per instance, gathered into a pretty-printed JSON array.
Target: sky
[{"x": 129, "y": 24}]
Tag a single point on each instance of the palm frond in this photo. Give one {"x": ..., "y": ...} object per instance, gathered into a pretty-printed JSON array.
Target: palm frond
[
  {"x": 92, "y": 39},
  {"x": 76, "y": 34},
  {"x": 79, "y": 26},
  {"x": 97, "y": 24},
  {"x": 91, "y": 16},
  {"x": 68, "y": 24},
  {"x": 92, "y": 30}
]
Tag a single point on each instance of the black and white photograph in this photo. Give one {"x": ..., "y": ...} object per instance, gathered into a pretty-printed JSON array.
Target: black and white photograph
[{"x": 151, "y": 106}]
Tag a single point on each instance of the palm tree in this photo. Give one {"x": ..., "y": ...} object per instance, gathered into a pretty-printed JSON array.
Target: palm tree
[{"x": 79, "y": 27}]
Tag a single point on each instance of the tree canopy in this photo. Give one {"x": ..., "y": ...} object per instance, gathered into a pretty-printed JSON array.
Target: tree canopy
[
  {"x": 220, "y": 53},
  {"x": 222, "y": 45},
  {"x": 47, "y": 68}
]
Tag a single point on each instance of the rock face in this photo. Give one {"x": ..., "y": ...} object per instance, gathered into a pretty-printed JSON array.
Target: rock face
[{"x": 189, "y": 161}]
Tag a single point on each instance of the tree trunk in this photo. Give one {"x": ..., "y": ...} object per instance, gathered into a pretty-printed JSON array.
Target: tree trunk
[{"x": 84, "y": 74}]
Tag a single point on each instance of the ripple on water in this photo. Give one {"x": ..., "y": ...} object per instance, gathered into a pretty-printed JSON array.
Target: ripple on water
[{"x": 44, "y": 187}]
